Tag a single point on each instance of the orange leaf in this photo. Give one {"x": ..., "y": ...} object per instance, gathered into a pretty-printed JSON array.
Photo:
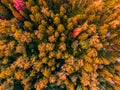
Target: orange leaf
[
  {"x": 18, "y": 16},
  {"x": 76, "y": 32}
]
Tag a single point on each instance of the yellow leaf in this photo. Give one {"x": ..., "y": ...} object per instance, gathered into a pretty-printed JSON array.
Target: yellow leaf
[{"x": 88, "y": 67}]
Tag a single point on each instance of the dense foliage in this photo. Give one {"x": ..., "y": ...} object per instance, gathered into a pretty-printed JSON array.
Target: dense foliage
[{"x": 59, "y": 44}]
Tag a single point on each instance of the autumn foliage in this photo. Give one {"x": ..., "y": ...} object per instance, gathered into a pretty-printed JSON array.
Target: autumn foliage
[{"x": 59, "y": 44}]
